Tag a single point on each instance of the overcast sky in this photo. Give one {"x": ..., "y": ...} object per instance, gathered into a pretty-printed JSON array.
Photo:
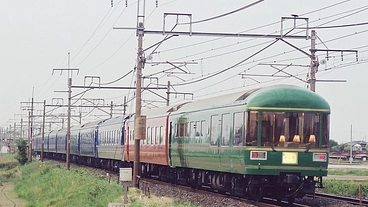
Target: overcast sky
[{"x": 36, "y": 37}]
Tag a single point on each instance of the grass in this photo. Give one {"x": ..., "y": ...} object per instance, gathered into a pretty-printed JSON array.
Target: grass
[
  {"x": 347, "y": 188},
  {"x": 9, "y": 168},
  {"x": 350, "y": 172},
  {"x": 47, "y": 184}
]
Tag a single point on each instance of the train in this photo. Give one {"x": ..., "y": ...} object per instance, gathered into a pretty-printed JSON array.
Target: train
[{"x": 270, "y": 141}]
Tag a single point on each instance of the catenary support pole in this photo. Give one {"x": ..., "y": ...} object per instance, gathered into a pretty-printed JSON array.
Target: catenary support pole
[
  {"x": 138, "y": 99},
  {"x": 314, "y": 62}
]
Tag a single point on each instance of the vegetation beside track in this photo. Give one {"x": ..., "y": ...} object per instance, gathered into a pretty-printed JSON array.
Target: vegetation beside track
[
  {"x": 346, "y": 188},
  {"x": 48, "y": 184},
  {"x": 348, "y": 172}
]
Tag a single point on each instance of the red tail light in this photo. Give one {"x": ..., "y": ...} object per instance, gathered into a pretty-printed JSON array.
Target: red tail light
[
  {"x": 258, "y": 155},
  {"x": 319, "y": 157}
]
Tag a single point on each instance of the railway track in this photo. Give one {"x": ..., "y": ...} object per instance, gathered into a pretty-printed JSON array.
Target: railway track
[
  {"x": 230, "y": 200},
  {"x": 349, "y": 200}
]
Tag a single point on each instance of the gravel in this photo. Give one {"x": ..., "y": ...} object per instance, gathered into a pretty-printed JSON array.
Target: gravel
[
  {"x": 218, "y": 201},
  {"x": 196, "y": 198}
]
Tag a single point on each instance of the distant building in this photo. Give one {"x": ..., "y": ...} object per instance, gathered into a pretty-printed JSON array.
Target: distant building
[{"x": 358, "y": 145}]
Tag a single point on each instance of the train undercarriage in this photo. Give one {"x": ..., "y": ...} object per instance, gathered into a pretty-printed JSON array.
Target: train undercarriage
[{"x": 286, "y": 186}]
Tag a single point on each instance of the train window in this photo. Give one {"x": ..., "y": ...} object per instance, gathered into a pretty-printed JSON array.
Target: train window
[
  {"x": 267, "y": 135},
  {"x": 252, "y": 129},
  {"x": 192, "y": 129},
  {"x": 149, "y": 135},
  {"x": 116, "y": 136},
  {"x": 153, "y": 131},
  {"x": 186, "y": 133},
  {"x": 152, "y": 140},
  {"x": 287, "y": 129},
  {"x": 325, "y": 130},
  {"x": 176, "y": 130},
  {"x": 127, "y": 135},
  {"x": 238, "y": 128},
  {"x": 197, "y": 127},
  {"x": 182, "y": 130},
  {"x": 214, "y": 129},
  {"x": 225, "y": 129},
  {"x": 157, "y": 134},
  {"x": 182, "y": 127},
  {"x": 111, "y": 137},
  {"x": 161, "y": 134},
  {"x": 203, "y": 128}
]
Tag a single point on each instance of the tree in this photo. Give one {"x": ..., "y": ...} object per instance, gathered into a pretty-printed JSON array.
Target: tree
[
  {"x": 22, "y": 152},
  {"x": 332, "y": 143}
]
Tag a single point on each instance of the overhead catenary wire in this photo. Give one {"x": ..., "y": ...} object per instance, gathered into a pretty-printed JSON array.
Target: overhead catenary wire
[
  {"x": 224, "y": 53},
  {"x": 324, "y": 23}
]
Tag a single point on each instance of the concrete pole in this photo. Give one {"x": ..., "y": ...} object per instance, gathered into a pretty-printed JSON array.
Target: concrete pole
[
  {"x": 314, "y": 65},
  {"x": 168, "y": 94},
  {"x": 351, "y": 146},
  {"x": 29, "y": 136},
  {"x": 111, "y": 108},
  {"x": 68, "y": 132},
  {"x": 138, "y": 99},
  {"x": 43, "y": 130}
]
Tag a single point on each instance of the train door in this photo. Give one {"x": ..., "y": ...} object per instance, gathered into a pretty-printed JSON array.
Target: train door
[
  {"x": 237, "y": 134},
  {"x": 78, "y": 143},
  {"x": 169, "y": 143},
  {"x": 95, "y": 142},
  {"x": 122, "y": 141},
  {"x": 215, "y": 134},
  {"x": 224, "y": 140}
]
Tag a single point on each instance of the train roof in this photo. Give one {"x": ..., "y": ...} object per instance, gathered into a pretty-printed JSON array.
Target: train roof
[
  {"x": 217, "y": 101},
  {"x": 287, "y": 98},
  {"x": 163, "y": 110},
  {"x": 279, "y": 97},
  {"x": 112, "y": 121},
  {"x": 92, "y": 124}
]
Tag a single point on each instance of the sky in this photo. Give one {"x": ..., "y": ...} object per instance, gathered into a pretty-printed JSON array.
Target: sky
[{"x": 98, "y": 38}]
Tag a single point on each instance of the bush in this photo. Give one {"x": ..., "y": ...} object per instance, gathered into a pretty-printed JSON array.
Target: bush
[
  {"x": 339, "y": 187},
  {"x": 22, "y": 152}
]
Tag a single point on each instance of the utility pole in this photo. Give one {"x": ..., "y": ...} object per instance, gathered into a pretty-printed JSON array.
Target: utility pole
[
  {"x": 43, "y": 130},
  {"x": 70, "y": 72},
  {"x": 29, "y": 135},
  {"x": 68, "y": 132},
  {"x": 314, "y": 63},
  {"x": 139, "y": 127},
  {"x": 31, "y": 132},
  {"x": 351, "y": 146}
]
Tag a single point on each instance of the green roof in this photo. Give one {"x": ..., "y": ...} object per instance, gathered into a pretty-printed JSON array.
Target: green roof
[{"x": 287, "y": 98}]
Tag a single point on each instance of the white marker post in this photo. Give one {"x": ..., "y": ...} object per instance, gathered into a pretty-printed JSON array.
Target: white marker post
[{"x": 125, "y": 177}]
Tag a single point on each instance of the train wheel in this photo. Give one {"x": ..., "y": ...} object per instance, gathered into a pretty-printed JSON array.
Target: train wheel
[
  {"x": 220, "y": 182},
  {"x": 255, "y": 191},
  {"x": 291, "y": 200},
  {"x": 193, "y": 179},
  {"x": 279, "y": 199}
]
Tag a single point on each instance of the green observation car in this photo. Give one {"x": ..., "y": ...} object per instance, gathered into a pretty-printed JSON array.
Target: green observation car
[{"x": 270, "y": 141}]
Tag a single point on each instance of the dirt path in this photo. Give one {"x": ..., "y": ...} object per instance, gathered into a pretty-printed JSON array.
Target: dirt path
[{"x": 8, "y": 197}]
